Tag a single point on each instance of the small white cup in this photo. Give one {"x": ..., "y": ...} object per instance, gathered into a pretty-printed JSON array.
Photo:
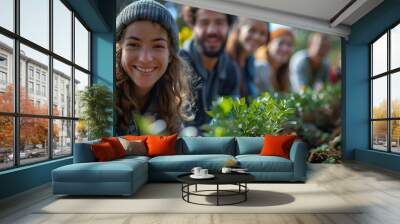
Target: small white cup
[
  {"x": 196, "y": 170},
  {"x": 203, "y": 172},
  {"x": 226, "y": 170}
]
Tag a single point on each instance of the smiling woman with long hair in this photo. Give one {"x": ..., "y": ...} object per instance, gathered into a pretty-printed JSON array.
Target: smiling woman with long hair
[
  {"x": 246, "y": 36},
  {"x": 272, "y": 62},
  {"x": 150, "y": 76}
]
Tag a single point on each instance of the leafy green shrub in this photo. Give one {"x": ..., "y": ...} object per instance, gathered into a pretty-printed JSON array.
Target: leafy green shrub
[
  {"x": 236, "y": 117},
  {"x": 96, "y": 102},
  {"x": 318, "y": 120}
]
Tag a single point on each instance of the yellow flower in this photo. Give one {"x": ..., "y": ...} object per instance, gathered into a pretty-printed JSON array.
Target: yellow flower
[
  {"x": 231, "y": 162},
  {"x": 184, "y": 34}
]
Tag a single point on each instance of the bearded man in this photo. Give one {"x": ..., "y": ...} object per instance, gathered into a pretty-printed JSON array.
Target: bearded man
[{"x": 216, "y": 74}]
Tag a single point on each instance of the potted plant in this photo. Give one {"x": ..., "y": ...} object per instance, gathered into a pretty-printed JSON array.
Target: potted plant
[{"x": 96, "y": 103}]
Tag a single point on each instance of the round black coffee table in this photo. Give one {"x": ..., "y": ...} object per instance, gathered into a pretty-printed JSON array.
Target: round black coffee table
[{"x": 238, "y": 179}]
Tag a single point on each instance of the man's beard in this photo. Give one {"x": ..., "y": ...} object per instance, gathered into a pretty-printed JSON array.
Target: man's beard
[{"x": 210, "y": 53}]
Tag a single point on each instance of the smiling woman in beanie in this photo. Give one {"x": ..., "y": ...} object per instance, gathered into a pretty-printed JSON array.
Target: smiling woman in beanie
[{"x": 150, "y": 76}]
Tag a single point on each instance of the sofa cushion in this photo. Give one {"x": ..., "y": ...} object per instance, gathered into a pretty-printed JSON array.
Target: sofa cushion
[
  {"x": 103, "y": 151},
  {"x": 161, "y": 145},
  {"x": 206, "y": 145},
  {"x": 118, "y": 177},
  {"x": 95, "y": 172},
  {"x": 249, "y": 145},
  {"x": 116, "y": 145},
  {"x": 111, "y": 171},
  {"x": 277, "y": 145},
  {"x": 185, "y": 163},
  {"x": 133, "y": 157},
  {"x": 257, "y": 163},
  {"x": 133, "y": 147},
  {"x": 135, "y": 137}
]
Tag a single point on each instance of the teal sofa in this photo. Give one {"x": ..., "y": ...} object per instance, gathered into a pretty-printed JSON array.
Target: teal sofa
[{"x": 125, "y": 176}]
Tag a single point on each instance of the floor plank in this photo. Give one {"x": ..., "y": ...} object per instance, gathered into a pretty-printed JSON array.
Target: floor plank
[{"x": 375, "y": 189}]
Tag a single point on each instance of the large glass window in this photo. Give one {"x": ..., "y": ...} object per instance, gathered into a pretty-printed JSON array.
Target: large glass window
[
  {"x": 395, "y": 47},
  {"x": 33, "y": 140},
  {"x": 63, "y": 73},
  {"x": 379, "y": 97},
  {"x": 48, "y": 80},
  {"x": 7, "y": 14},
  {"x": 40, "y": 61},
  {"x": 62, "y": 29},
  {"x": 35, "y": 21},
  {"x": 62, "y": 137},
  {"x": 379, "y": 56},
  {"x": 385, "y": 94},
  {"x": 81, "y": 45},
  {"x": 7, "y": 74},
  {"x": 81, "y": 81},
  {"x": 6, "y": 142}
]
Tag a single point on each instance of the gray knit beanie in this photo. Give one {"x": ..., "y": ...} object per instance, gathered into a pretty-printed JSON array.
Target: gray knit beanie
[{"x": 148, "y": 10}]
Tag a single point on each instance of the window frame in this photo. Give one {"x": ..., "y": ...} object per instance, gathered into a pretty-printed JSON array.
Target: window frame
[
  {"x": 16, "y": 115},
  {"x": 388, "y": 74}
]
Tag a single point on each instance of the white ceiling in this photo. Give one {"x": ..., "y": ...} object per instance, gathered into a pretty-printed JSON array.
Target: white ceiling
[
  {"x": 324, "y": 9},
  {"x": 314, "y": 15}
]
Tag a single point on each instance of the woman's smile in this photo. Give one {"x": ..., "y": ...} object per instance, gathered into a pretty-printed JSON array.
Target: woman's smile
[{"x": 145, "y": 69}]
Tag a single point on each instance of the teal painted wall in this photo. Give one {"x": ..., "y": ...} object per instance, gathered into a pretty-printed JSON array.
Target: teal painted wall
[
  {"x": 357, "y": 99},
  {"x": 356, "y": 84},
  {"x": 103, "y": 61},
  {"x": 24, "y": 178},
  {"x": 98, "y": 15},
  {"x": 379, "y": 159},
  {"x": 103, "y": 69},
  {"x": 103, "y": 58}
]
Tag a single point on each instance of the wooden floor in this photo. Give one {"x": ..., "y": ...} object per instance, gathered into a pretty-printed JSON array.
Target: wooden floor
[{"x": 377, "y": 188}]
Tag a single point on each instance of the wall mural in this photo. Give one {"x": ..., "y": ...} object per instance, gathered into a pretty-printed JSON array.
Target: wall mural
[{"x": 197, "y": 72}]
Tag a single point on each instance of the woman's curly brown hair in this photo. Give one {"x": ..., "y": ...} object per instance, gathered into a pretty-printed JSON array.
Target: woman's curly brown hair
[{"x": 173, "y": 96}]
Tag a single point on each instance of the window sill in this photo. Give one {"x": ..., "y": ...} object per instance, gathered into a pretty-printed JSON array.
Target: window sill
[{"x": 26, "y": 167}]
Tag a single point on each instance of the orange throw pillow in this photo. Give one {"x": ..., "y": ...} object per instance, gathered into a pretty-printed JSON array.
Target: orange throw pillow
[
  {"x": 277, "y": 145},
  {"x": 135, "y": 137},
  {"x": 161, "y": 145},
  {"x": 103, "y": 151},
  {"x": 116, "y": 145}
]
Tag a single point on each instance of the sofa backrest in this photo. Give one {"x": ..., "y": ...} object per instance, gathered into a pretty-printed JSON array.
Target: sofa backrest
[
  {"x": 190, "y": 146},
  {"x": 83, "y": 152},
  {"x": 206, "y": 145},
  {"x": 249, "y": 145}
]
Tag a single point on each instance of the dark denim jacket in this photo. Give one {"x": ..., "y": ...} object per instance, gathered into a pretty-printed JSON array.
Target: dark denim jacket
[
  {"x": 249, "y": 74},
  {"x": 208, "y": 86}
]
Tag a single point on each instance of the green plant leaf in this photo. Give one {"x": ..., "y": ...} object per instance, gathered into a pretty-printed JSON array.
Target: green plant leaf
[{"x": 96, "y": 102}]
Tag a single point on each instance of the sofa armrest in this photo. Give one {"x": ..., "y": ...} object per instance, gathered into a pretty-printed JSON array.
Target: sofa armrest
[
  {"x": 298, "y": 155},
  {"x": 83, "y": 152}
]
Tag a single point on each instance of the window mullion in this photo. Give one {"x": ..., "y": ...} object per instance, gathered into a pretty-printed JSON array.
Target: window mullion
[
  {"x": 371, "y": 89},
  {"x": 389, "y": 127},
  {"x": 16, "y": 83},
  {"x": 73, "y": 82},
  {"x": 50, "y": 81}
]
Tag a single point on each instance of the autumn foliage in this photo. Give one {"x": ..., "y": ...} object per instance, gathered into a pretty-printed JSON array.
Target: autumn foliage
[
  {"x": 380, "y": 127},
  {"x": 33, "y": 130}
]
